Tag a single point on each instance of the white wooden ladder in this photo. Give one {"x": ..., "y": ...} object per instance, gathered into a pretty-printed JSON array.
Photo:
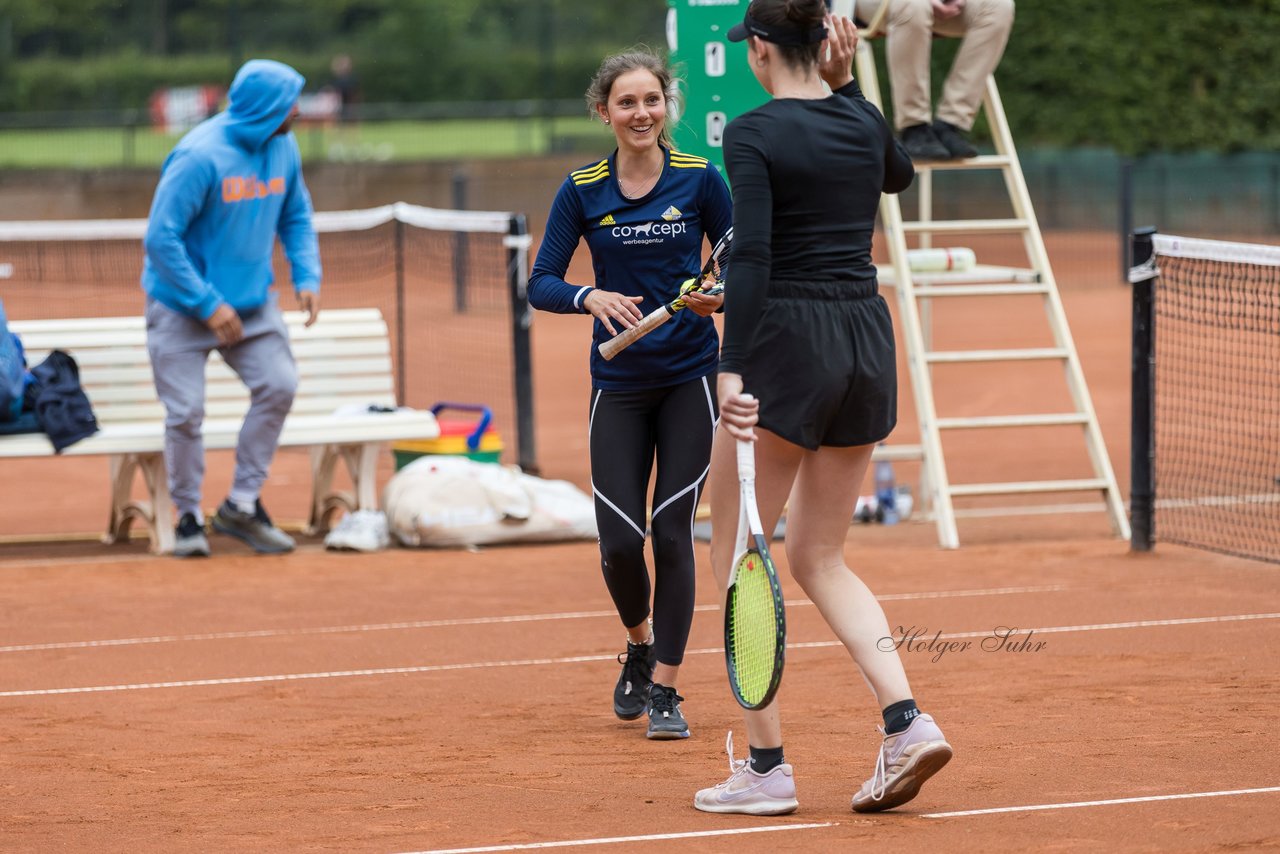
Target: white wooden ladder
[{"x": 915, "y": 293}]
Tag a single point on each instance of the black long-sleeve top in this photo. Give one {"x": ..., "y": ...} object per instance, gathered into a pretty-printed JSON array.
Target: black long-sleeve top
[{"x": 807, "y": 177}]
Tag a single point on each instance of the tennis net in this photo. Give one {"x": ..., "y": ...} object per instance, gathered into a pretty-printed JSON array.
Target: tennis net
[
  {"x": 450, "y": 284},
  {"x": 1206, "y": 432}
]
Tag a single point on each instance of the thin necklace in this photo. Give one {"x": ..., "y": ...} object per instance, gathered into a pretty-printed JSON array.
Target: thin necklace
[{"x": 652, "y": 174}]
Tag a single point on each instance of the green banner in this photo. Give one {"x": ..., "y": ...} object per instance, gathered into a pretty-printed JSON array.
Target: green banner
[{"x": 717, "y": 84}]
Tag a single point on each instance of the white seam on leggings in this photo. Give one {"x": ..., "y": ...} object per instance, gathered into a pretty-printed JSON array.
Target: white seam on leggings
[
  {"x": 677, "y": 496},
  {"x": 711, "y": 412},
  {"x": 591, "y": 422}
]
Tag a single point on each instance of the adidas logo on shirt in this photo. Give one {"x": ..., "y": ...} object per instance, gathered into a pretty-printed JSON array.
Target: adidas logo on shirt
[
  {"x": 671, "y": 213},
  {"x": 608, "y": 220}
]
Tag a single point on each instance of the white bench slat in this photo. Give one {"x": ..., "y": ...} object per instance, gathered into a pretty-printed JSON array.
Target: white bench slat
[
  {"x": 104, "y": 396},
  {"x": 332, "y": 317},
  {"x": 146, "y": 413},
  {"x": 74, "y": 342},
  {"x": 303, "y": 351},
  {"x": 98, "y": 375}
]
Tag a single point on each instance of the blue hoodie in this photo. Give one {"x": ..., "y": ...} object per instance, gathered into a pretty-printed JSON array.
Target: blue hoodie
[{"x": 226, "y": 190}]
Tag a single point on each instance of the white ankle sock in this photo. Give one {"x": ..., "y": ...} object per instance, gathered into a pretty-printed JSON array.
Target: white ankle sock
[{"x": 250, "y": 507}]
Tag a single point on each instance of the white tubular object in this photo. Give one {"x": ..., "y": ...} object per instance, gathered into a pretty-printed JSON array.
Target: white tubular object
[{"x": 954, "y": 259}]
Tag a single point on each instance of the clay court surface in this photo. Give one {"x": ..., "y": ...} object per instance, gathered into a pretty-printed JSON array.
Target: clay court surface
[{"x": 455, "y": 700}]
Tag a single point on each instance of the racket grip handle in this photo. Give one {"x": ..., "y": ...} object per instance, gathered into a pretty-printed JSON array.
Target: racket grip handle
[
  {"x": 746, "y": 460},
  {"x": 627, "y": 337}
]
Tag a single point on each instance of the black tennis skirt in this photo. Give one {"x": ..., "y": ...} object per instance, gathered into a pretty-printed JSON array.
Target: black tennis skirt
[{"x": 823, "y": 364}]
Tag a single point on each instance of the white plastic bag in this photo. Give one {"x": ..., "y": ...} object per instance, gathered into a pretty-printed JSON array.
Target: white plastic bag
[{"x": 456, "y": 501}]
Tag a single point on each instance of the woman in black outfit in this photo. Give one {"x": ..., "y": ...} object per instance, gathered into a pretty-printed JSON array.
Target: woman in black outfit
[{"x": 807, "y": 370}]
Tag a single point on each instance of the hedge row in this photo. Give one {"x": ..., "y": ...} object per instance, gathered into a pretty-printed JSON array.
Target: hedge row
[{"x": 1155, "y": 75}]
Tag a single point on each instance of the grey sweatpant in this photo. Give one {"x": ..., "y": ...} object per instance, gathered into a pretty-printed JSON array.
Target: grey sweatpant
[{"x": 179, "y": 347}]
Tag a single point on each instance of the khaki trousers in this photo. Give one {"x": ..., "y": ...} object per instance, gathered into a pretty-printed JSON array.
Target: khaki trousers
[{"x": 983, "y": 26}]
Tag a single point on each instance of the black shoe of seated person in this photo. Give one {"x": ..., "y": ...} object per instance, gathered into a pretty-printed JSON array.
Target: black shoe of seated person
[
  {"x": 922, "y": 144},
  {"x": 954, "y": 140}
]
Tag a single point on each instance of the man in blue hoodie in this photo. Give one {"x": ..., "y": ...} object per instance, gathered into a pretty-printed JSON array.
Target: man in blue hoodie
[{"x": 226, "y": 191}]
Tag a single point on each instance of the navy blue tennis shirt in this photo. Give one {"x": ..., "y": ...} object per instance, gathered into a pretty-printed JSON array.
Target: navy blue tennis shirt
[{"x": 644, "y": 247}]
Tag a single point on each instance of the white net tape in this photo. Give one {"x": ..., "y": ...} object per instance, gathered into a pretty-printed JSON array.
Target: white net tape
[
  {"x": 497, "y": 222},
  {"x": 1171, "y": 246}
]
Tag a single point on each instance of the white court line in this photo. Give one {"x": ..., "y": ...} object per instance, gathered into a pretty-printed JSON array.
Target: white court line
[
  {"x": 1095, "y": 627},
  {"x": 469, "y": 621},
  {"x": 328, "y": 674},
  {"x": 1142, "y": 800},
  {"x": 613, "y": 840},
  {"x": 90, "y": 560},
  {"x": 575, "y": 659}
]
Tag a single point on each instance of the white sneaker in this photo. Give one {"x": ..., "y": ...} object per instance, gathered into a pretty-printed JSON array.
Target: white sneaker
[
  {"x": 361, "y": 531},
  {"x": 905, "y": 761},
  {"x": 750, "y": 793}
]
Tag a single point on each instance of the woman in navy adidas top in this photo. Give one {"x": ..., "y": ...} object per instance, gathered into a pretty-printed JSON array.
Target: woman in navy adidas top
[{"x": 644, "y": 211}]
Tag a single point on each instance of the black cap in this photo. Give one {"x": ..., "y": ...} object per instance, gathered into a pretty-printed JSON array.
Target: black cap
[{"x": 776, "y": 33}]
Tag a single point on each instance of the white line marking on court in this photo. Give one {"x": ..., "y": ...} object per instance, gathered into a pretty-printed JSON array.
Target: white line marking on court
[
  {"x": 1038, "y": 807},
  {"x": 328, "y": 674},
  {"x": 614, "y": 840},
  {"x": 468, "y": 621},
  {"x": 93, "y": 560},
  {"x": 574, "y": 659},
  {"x": 1095, "y": 627}
]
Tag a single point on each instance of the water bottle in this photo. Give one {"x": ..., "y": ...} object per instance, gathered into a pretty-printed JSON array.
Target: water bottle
[{"x": 886, "y": 494}]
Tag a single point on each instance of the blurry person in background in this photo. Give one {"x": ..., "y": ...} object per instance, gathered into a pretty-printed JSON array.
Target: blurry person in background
[{"x": 229, "y": 187}]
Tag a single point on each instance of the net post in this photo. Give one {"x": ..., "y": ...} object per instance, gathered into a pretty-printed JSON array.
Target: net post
[
  {"x": 398, "y": 225},
  {"x": 460, "y": 244},
  {"x": 522, "y": 356},
  {"x": 1142, "y": 437}
]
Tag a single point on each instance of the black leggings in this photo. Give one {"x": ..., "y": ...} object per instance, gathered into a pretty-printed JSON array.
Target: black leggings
[{"x": 627, "y": 428}]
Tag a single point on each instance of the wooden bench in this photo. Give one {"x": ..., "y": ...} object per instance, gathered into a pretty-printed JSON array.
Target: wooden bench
[{"x": 344, "y": 360}]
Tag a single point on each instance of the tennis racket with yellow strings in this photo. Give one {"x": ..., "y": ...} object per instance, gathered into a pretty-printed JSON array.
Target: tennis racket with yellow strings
[
  {"x": 755, "y": 623},
  {"x": 710, "y": 281}
]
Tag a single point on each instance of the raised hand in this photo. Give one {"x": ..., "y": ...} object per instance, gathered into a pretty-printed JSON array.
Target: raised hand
[{"x": 835, "y": 58}]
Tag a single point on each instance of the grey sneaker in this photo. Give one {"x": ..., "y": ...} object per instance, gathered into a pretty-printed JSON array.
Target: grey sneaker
[
  {"x": 665, "y": 718},
  {"x": 750, "y": 793},
  {"x": 254, "y": 528},
  {"x": 189, "y": 538},
  {"x": 906, "y": 760},
  {"x": 631, "y": 694}
]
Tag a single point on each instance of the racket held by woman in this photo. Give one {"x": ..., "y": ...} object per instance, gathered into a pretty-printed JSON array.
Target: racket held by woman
[
  {"x": 710, "y": 280},
  {"x": 755, "y": 624}
]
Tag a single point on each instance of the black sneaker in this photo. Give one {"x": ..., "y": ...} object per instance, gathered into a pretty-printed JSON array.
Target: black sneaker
[
  {"x": 189, "y": 538},
  {"x": 665, "y": 719},
  {"x": 922, "y": 144},
  {"x": 254, "y": 528},
  {"x": 631, "y": 694},
  {"x": 954, "y": 140}
]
